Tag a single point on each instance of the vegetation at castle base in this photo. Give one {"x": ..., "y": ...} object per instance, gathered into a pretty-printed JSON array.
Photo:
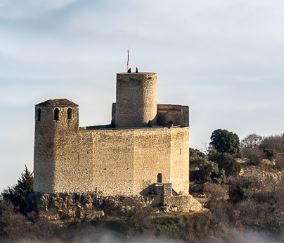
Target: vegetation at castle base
[
  {"x": 252, "y": 192},
  {"x": 240, "y": 190},
  {"x": 219, "y": 162},
  {"x": 256, "y": 148},
  {"x": 18, "y": 194},
  {"x": 226, "y": 151}
]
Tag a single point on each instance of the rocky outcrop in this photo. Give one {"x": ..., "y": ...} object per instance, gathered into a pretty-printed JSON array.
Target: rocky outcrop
[
  {"x": 182, "y": 203},
  {"x": 75, "y": 207}
]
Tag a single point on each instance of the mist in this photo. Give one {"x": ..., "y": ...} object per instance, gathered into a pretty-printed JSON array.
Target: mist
[{"x": 94, "y": 235}]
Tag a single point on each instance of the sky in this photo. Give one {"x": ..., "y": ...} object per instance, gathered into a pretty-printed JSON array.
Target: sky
[{"x": 224, "y": 59}]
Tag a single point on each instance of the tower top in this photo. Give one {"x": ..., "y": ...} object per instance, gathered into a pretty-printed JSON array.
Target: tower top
[
  {"x": 58, "y": 103},
  {"x": 140, "y": 73}
]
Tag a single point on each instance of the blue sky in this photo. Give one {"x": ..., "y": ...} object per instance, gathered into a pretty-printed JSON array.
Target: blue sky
[{"x": 222, "y": 58}]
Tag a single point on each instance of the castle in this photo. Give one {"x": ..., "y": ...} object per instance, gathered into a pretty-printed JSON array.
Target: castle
[{"x": 146, "y": 144}]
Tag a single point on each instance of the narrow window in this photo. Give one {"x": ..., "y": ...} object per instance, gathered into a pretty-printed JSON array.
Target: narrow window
[
  {"x": 159, "y": 178},
  {"x": 56, "y": 114},
  {"x": 38, "y": 114},
  {"x": 69, "y": 114}
]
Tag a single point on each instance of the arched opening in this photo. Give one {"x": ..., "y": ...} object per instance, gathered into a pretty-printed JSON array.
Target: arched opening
[
  {"x": 56, "y": 114},
  {"x": 159, "y": 178},
  {"x": 38, "y": 114},
  {"x": 69, "y": 113}
]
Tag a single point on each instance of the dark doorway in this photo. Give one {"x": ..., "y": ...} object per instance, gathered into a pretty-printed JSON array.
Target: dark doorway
[{"x": 159, "y": 178}]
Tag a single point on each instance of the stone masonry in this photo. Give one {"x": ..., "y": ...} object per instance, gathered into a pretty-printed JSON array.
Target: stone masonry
[{"x": 145, "y": 144}]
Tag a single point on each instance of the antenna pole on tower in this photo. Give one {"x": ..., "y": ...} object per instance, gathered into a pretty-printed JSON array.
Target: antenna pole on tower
[{"x": 127, "y": 60}]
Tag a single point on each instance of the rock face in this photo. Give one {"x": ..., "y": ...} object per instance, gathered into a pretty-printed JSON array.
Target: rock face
[
  {"x": 71, "y": 207},
  {"x": 182, "y": 204},
  {"x": 263, "y": 179}
]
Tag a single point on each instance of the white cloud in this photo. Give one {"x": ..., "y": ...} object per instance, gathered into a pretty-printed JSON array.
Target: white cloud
[{"x": 18, "y": 9}]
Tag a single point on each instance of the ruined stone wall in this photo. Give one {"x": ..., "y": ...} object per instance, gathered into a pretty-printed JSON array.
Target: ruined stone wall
[{"x": 178, "y": 114}]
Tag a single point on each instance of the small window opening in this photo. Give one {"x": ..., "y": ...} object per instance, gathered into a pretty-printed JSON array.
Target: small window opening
[
  {"x": 69, "y": 114},
  {"x": 159, "y": 178},
  {"x": 38, "y": 114},
  {"x": 56, "y": 114}
]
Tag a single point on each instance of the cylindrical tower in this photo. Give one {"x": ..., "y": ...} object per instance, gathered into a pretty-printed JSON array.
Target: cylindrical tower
[{"x": 136, "y": 101}]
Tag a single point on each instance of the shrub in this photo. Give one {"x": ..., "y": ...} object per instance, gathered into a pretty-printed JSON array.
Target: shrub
[
  {"x": 272, "y": 145},
  {"x": 209, "y": 172},
  {"x": 240, "y": 190},
  {"x": 196, "y": 157},
  {"x": 227, "y": 163},
  {"x": 279, "y": 161},
  {"x": 18, "y": 194},
  {"x": 214, "y": 191},
  {"x": 251, "y": 141},
  {"x": 253, "y": 154},
  {"x": 269, "y": 153}
]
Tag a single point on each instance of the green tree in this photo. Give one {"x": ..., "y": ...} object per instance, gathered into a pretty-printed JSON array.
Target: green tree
[
  {"x": 209, "y": 172},
  {"x": 240, "y": 191},
  {"x": 226, "y": 162},
  {"x": 18, "y": 194},
  {"x": 196, "y": 157},
  {"x": 224, "y": 141}
]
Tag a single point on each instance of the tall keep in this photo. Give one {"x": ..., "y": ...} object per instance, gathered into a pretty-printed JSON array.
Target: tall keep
[{"x": 136, "y": 99}]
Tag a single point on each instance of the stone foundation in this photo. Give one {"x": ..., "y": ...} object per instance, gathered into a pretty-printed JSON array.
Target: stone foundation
[{"x": 71, "y": 207}]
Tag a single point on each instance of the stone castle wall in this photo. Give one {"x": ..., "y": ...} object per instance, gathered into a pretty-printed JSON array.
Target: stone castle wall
[
  {"x": 146, "y": 143},
  {"x": 116, "y": 161},
  {"x": 178, "y": 114}
]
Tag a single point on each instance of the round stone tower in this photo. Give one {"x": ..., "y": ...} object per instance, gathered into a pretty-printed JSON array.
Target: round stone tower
[{"x": 136, "y": 101}]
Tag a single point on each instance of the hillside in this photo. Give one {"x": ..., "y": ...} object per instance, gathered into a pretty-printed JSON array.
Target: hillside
[{"x": 236, "y": 197}]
